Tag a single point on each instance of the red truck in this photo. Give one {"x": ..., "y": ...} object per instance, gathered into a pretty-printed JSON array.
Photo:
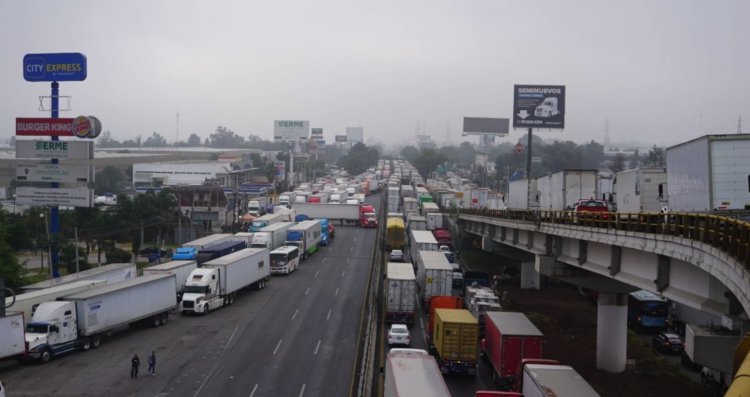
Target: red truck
[
  {"x": 367, "y": 216},
  {"x": 509, "y": 338},
  {"x": 443, "y": 237},
  {"x": 441, "y": 302}
]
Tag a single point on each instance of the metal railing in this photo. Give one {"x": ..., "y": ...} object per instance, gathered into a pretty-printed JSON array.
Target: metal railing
[{"x": 731, "y": 236}]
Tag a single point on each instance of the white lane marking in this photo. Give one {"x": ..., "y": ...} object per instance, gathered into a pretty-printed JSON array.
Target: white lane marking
[
  {"x": 324, "y": 259},
  {"x": 215, "y": 367},
  {"x": 316, "y": 348},
  {"x": 343, "y": 273},
  {"x": 254, "y": 389},
  {"x": 337, "y": 292},
  {"x": 328, "y": 317},
  {"x": 295, "y": 314},
  {"x": 351, "y": 249},
  {"x": 421, "y": 323},
  {"x": 231, "y": 337},
  {"x": 316, "y": 273},
  {"x": 347, "y": 260},
  {"x": 302, "y": 392},
  {"x": 277, "y": 347},
  {"x": 355, "y": 240},
  {"x": 308, "y": 291}
]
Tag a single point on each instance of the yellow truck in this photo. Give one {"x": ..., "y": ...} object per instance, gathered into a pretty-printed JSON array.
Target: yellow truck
[{"x": 456, "y": 341}]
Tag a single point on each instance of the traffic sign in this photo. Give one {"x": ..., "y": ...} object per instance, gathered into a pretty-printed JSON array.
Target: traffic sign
[
  {"x": 519, "y": 147},
  {"x": 539, "y": 106},
  {"x": 54, "y": 67}
]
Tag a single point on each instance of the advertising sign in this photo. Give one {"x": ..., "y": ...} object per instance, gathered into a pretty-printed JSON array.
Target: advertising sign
[
  {"x": 317, "y": 131},
  {"x": 355, "y": 134},
  {"x": 65, "y": 150},
  {"x": 68, "y": 197},
  {"x": 488, "y": 140},
  {"x": 86, "y": 127},
  {"x": 28, "y": 126},
  {"x": 485, "y": 126},
  {"x": 340, "y": 138},
  {"x": 291, "y": 130},
  {"x": 280, "y": 170},
  {"x": 54, "y": 173},
  {"x": 539, "y": 106},
  {"x": 54, "y": 67}
]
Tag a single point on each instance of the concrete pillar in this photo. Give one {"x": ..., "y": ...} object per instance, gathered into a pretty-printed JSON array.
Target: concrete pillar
[
  {"x": 529, "y": 275},
  {"x": 612, "y": 332}
]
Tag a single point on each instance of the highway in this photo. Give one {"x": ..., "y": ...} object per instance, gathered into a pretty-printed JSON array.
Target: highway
[{"x": 296, "y": 337}]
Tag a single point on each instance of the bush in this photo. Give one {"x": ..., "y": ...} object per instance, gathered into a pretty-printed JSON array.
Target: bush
[
  {"x": 117, "y": 255},
  {"x": 83, "y": 264}
]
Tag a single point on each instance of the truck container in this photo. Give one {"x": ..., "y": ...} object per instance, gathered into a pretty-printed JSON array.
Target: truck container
[
  {"x": 272, "y": 236},
  {"x": 319, "y": 198},
  {"x": 440, "y": 302},
  {"x": 266, "y": 220},
  {"x": 417, "y": 222},
  {"x": 345, "y": 213},
  {"x": 508, "y": 338},
  {"x": 305, "y": 236},
  {"x": 112, "y": 273},
  {"x": 287, "y": 214},
  {"x": 421, "y": 240},
  {"x": 301, "y": 197},
  {"x": 709, "y": 174},
  {"x": 217, "y": 282},
  {"x": 519, "y": 193},
  {"x": 545, "y": 380},
  {"x": 13, "y": 342},
  {"x": 455, "y": 339},
  {"x": 394, "y": 233},
  {"x": 640, "y": 190},
  {"x": 218, "y": 250},
  {"x": 434, "y": 275},
  {"x": 208, "y": 240},
  {"x": 181, "y": 270},
  {"x": 374, "y": 185},
  {"x": 435, "y": 220},
  {"x": 410, "y": 204},
  {"x": 401, "y": 292},
  {"x": 393, "y": 190},
  {"x": 712, "y": 347},
  {"x": 247, "y": 237},
  {"x": 82, "y": 320},
  {"x": 562, "y": 190},
  {"x": 407, "y": 191},
  {"x": 413, "y": 372},
  {"x": 257, "y": 206},
  {"x": 429, "y": 208},
  {"x": 335, "y": 198},
  {"x": 28, "y": 302}
]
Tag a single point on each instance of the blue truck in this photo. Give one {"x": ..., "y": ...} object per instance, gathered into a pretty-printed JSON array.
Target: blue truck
[
  {"x": 218, "y": 250},
  {"x": 324, "y": 237}
]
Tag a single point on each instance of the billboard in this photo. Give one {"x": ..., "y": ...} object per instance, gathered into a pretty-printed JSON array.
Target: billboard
[
  {"x": 54, "y": 173},
  {"x": 291, "y": 130},
  {"x": 317, "y": 131},
  {"x": 69, "y": 197},
  {"x": 54, "y": 67},
  {"x": 340, "y": 138},
  {"x": 355, "y": 134},
  {"x": 539, "y": 106},
  {"x": 34, "y": 126},
  {"x": 280, "y": 167},
  {"x": 65, "y": 150},
  {"x": 486, "y": 126}
]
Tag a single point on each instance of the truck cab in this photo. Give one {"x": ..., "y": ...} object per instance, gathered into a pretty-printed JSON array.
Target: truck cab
[
  {"x": 261, "y": 240},
  {"x": 53, "y": 330},
  {"x": 200, "y": 290},
  {"x": 255, "y": 208},
  {"x": 547, "y": 108}
]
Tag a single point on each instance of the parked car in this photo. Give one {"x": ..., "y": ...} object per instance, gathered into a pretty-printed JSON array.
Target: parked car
[
  {"x": 666, "y": 343},
  {"x": 396, "y": 256},
  {"x": 399, "y": 335}
]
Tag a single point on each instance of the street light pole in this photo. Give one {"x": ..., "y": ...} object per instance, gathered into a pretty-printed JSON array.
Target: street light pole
[{"x": 49, "y": 245}]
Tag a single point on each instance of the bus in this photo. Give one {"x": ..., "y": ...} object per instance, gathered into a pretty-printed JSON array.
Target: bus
[
  {"x": 284, "y": 260},
  {"x": 647, "y": 310}
]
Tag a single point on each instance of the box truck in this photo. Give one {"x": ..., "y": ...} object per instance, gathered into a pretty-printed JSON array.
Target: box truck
[
  {"x": 435, "y": 220},
  {"x": 640, "y": 190},
  {"x": 28, "y": 302},
  {"x": 434, "y": 275},
  {"x": 272, "y": 236},
  {"x": 286, "y": 199},
  {"x": 340, "y": 212},
  {"x": 509, "y": 338},
  {"x": 421, "y": 240},
  {"x": 218, "y": 250},
  {"x": 112, "y": 273},
  {"x": 544, "y": 380},
  {"x": 207, "y": 240},
  {"x": 562, "y": 190},
  {"x": 401, "y": 290},
  {"x": 455, "y": 338},
  {"x": 257, "y": 206},
  {"x": 13, "y": 342},
  {"x": 522, "y": 194},
  {"x": 216, "y": 282},
  {"x": 80, "y": 321},
  {"x": 413, "y": 372},
  {"x": 181, "y": 270},
  {"x": 305, "y": 236}
]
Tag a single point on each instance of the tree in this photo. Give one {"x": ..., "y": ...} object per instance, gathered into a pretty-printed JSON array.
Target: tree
[
  {"x": 155, "y": 140},
  {"x": 194, "y": 140},
  {"x": 427, "y": 161},
  {"x": 635, "y": 160},
  {"x": 655, "y": 158},
  {"x": 108, "y": 180},
  {"x": 106, "y": 140},
  {"x": 618, "y": 164},
  {"x": 225, "y": 138},
  {"x": 359, "y": 159},
  {"x": 592, "y": 155},
  {"x": 465, "y": 154},
  {"x": 10, "y": 270},
  {"x": 410, "y": 153}
]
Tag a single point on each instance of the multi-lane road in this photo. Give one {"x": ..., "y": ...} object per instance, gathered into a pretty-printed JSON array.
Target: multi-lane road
[{"x": 296, "y": 337}]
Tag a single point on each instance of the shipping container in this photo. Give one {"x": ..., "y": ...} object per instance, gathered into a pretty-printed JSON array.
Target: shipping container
[
  {"x": 401, "y": 292},
  {"x": 456, "y": 339},
  {"x": 508, "y": 338}
]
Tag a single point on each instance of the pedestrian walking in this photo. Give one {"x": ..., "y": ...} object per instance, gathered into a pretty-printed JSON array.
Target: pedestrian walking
[
  {"x": 152, "y": 363},
  {"x": 135, "y": 362}
]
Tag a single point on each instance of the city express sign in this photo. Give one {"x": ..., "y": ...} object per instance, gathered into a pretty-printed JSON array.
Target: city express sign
[{"x": 66, "y": 150}]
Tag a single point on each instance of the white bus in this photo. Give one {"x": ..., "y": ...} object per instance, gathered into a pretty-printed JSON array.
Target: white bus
[{"x": 284, "y": 260}]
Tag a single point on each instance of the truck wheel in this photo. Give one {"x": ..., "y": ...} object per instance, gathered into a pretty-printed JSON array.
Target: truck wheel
[
  {"x": 86, "y": 344},
  {"x": 96, "y": 341},
  {"x": 155, "y": 320},
  {"x": 206, "y": 309},
  {"x": 164, "y": 318},
  {"x": 46, "y": 356}
]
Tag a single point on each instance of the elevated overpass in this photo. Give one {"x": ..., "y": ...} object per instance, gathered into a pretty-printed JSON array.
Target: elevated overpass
[{"x": 698, "y": 260}]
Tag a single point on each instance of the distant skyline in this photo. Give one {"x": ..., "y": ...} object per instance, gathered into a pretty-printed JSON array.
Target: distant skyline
[{"x": 661, "y": 72}]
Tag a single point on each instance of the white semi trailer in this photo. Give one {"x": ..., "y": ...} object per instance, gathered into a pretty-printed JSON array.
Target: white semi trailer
[
  {"x": 111, "y": 273},
  {"x": 28, "y": 302}
]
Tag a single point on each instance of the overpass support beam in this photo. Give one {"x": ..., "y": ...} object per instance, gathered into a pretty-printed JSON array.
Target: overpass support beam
[
  {"x": 611, "y": 332},
  {"x": 530, "y": 271}
]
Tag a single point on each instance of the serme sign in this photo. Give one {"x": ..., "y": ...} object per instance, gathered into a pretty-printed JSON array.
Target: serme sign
[
  {"x": 53, "y": 173},
  {"x": 54, "y": 67},
  {"x": 66, "y": 150},
  {"x": 291, "y": 130},
  {"x": 539, "y": 106},
  {"x": 70, "y": 197}
]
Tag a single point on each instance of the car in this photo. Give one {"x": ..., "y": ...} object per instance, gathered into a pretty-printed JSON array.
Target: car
[
  {"x": 458, "y": 279},
  {"x": 601, "y": 207},
  {"x": 667, "y": 342},
  {"x": 444, "y": 248},
  {"x": 399, "y": 335},
  {"x": 396, "y": 256}
]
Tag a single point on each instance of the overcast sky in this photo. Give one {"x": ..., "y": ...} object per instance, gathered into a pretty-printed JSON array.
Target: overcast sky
[{"x": 662, "y": 71}]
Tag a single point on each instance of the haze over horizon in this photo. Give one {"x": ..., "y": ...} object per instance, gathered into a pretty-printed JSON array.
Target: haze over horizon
[{"x": 660, "y": 72}]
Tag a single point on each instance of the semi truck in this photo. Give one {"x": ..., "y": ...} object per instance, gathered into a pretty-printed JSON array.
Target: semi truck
[
  {"x": 28, "y": 302},
  {"x": 421, "y": 240},
  {"x": 509, "y": 338},
  {"x": 257, "y": 206},
  {"x": 640, "y": 190},
  {"x": 440, "y": 302},
  {"x": 12, "y": 342},
  {"x": 247, "y": 237},
  {"x": 394, "y": 233},
  {"x": 325, "y": 238},
  {"x": 434, "y": 275},
  {"x": 272, "y": 236},
  {"x": 305, "y": 236},
  {"x": 393, "y": 203},
  {"x": 111, "y": 273},
  {"x": 544, "y": 379},
  {"x": 286, "y": 199},
  {"x": 562, "y": 190},
  {"x": 216, "y": 282},
  {"x": 181, "y": 270},
  {"x": 218, "y": 250},
  {"x": 265, "y": 220},
  {"x": 207, "y": 240},
  {"x": 401, "y": 287},
  {"x": 434, "y": 219},
  {"x": 367, "y": 217},
  {"x": 81, "y": 321},
  {"x": 455, "y": 338},
  {"x": 339, "y": 212},
  {"x": 413, "y": 372}
]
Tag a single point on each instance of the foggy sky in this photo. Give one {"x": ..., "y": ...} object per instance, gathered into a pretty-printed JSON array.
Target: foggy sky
[{"x": 662, "y": 71}]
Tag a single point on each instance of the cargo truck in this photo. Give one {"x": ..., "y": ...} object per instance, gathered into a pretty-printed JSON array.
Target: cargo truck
[
  {"x": 81, "y": 321},
  {"x": 247, "y": 237},
  {"x": 265, "y": 220},
  {"x": 216, "y": 282},
  {"x": 509, "y": 338},
  {"x": 181, "y": 270},
  {"x": 203, "y": 242},
  {"x": 111, "y": 273},
  {"x": 272, "y": 236},
  {"x": 257, "y": 206},
  {"x": 421, "y": 240},
  {"x": 305, "y": 236},
  {"x": 393, "y": 204},
  {"x": 325, "y": 238},
  {"x": 12, "y": 342},
  {"x": 455, "y": 338},
  {"x": 218, "y": 250},
  {"x": 544, "y": 380},
  {"x": 394, "y": 233},
  {"x": 28, "y": 302},
  {"x": 401, "y": 292},
  {"x": 413, "y": 372},
  {"x": 434, "y": 275},
  {"x": 286, "y": 199},
  {"x": 434, "y": 219},
  {"x": 640, "y": 190},
  {"x": 346, "y": 213},
  {"x": 562, "y": 190}
]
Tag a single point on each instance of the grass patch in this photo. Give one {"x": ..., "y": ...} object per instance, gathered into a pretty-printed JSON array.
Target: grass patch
[{"x": 542, "y": 321}]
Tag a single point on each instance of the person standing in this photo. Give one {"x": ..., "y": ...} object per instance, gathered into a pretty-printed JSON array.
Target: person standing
[
  {"x": 135, "y": 362},
  {"x": 152, "y": 363}
]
